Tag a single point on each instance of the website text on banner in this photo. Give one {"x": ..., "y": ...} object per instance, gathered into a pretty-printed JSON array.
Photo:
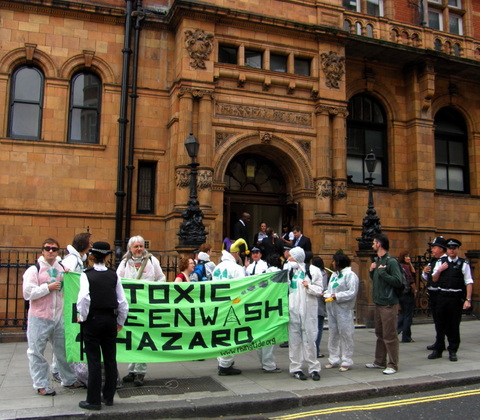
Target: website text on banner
[{"x": 170, "y": 322}]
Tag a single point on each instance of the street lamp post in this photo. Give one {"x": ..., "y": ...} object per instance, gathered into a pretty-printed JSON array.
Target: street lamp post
[
  {"x": 192, "y": 231},
  {"x": 371, "y": 222}
]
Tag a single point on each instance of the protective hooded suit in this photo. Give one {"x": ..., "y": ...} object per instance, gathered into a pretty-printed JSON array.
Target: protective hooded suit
[
  {"x": 303, "y": 309},
  {"x": 341, "y": 328},
  {"x": 45, "y": 323},
  {"x": 228, "y": 269}
]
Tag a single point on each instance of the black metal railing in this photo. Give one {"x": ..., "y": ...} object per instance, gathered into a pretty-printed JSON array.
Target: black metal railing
[{"x": 14, "y": 262}]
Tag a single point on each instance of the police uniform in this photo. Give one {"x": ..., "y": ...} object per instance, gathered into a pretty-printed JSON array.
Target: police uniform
[
  {"x": 449, "y": 301},
  {"x": 102, "y": 306}
]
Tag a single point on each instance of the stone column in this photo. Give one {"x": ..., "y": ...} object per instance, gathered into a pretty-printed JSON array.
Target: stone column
[
  {"x": 321, "y": 151},
  {"x": 206, "y": 139},
  {"x": 365, "y": 305},
  {"x": 180, "y": 155},
  {"x": 339, "y": 163}
]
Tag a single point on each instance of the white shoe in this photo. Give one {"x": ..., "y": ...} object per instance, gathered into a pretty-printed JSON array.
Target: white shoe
[
  {"x": 330, "y": 365},
  {"x": 374, "y": 366},
  {"x": 389, "y": 371}
]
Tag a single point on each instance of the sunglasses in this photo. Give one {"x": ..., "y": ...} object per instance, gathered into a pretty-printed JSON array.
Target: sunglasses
[{"x": 50, "y": 248}]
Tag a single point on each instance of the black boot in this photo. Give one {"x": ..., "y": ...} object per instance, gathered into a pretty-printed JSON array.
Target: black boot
[
  {"x": 435, "y": 354},
  {"x": 452, "y": 356},
  {"x": 228, "y": 371}
]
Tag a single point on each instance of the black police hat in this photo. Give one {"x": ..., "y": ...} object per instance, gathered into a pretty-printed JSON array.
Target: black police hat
[
  {"x": 453, "y": 243},
  {"x": 101, "y": 248},
  {"x": 439, "y": 241}
]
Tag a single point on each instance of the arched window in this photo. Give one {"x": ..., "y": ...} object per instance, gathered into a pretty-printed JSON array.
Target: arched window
[
  {"x": 366, "y": 130},
  {"x": 26, "y": 103},
  {"x": 451, "y": 160},
  {"x": 85, "y": 101}
]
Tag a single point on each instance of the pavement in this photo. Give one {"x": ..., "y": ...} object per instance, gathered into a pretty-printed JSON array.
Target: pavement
[{"x": 252, "y": 392}]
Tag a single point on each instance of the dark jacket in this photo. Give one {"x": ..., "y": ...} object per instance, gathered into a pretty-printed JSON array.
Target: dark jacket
[
  {"x": 304, "y": 243},
  {"x": 240, "y": 231}
]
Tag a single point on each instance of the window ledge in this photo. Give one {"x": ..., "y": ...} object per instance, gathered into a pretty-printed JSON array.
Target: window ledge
[{"x": 90, "y": 146}]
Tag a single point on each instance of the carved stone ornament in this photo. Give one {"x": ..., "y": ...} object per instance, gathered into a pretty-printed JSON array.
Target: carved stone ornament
[
  {"x": 195, "y": 92},
  {"x": 306, "y": 146},
  {"x": 199, "y": 46},
  {"x": 204, "y": 179},
  {"x": 339, "y": 190},
  {"x": 334, "y": 68},
  {"x": 323, "y": 188},
  {"x": 263, "y": 114},
  {"x": 265, "y": 137},
  {"x": 182, "y": 178}
]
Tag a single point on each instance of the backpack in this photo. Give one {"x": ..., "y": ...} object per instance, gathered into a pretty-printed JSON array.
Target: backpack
[
  {"x": 405, "y": 288},
  {"x": 199, "y": 273},
  {"x": 307, "y": 272}
]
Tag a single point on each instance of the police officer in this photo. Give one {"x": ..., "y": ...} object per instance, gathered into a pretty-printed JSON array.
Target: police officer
[
  {"x": 102, "y": 309},
  {"x": 439, "y": 249},
  {"x": 453, "y": 277}
]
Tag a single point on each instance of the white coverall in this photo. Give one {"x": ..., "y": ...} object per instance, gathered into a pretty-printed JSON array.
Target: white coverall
[
  {"x": 266, "y": 354},
  {"x": 341, "y": 328},
  {"x": 152, "y": 272},
  {"x": 303, "y": 325},
  {"x": 73, "y": 260},
  {"x": 228, "y": 269},
  {"x": 209, "y": 265},
  {"x": 45, "y": 323}
]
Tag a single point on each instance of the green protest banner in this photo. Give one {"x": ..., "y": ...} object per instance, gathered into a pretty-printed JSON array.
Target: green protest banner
[{"x": 170, "y": 322}]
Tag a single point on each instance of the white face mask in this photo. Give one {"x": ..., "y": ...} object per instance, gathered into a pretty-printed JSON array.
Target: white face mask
[
  {"x": 293, "y": 264},
  {"x": 84, "y": 257}
]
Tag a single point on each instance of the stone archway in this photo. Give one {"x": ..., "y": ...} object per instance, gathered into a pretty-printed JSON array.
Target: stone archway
[{"x": 280, "y": 172}]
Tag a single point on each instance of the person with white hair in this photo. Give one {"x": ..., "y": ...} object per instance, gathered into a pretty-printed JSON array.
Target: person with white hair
[
  {"x": 137, "y": 263},
  {"x": 303, "y": 308}
]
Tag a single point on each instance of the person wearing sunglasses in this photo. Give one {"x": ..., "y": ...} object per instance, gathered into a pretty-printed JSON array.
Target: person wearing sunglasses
[{"x": 42, "y": 287}]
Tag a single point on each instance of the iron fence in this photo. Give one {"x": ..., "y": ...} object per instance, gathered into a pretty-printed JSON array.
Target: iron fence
[{"x": 14, "y": 262}]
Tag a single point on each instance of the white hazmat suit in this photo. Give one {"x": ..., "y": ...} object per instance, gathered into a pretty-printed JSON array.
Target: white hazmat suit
[
  {"x": 341, "y": 328},
  {"x": 45, "y": 323},
  {"x": 228, "y": 269},
  {"x": 303, "y": 309}
]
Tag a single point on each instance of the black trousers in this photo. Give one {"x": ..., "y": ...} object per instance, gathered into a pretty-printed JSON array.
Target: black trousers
[
  {"x": 99, "y": 335},
  {"x": 448, "y": 315},
  {"x": 432, "y": 303}
]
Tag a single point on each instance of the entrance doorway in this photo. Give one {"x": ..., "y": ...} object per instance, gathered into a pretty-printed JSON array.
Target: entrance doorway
[{"x": 255, "y": 184}]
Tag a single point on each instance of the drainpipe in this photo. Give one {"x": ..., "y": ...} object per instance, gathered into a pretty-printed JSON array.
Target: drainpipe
[
  {"x": 139, "y": 15},
  {"x": 122, "y": 120}
]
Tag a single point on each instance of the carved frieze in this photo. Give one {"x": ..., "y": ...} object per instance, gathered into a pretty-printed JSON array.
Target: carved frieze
[
  {"x": 194, "y": 92},
  {"x": 263, "y": 114},
  {"x": 323, "y": 188},
  {"x": 182, "y": 178},
  {"x": 204, "y": 179},
  {"x": 339, "y": 190},
  {"x": 199, "y": 45},
  {"x": 334, "y": 68}
]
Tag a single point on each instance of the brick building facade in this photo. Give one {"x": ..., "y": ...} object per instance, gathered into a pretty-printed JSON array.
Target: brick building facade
[{"x": 286, "y": 97}]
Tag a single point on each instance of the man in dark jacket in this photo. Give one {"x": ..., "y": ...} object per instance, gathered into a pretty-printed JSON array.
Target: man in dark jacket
[
  {"x": 386, "y": 275},
  {"x": 301, "y": 240},
  {"x": 271, "y": 245},
  {"x": 240, "y": 228}
]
